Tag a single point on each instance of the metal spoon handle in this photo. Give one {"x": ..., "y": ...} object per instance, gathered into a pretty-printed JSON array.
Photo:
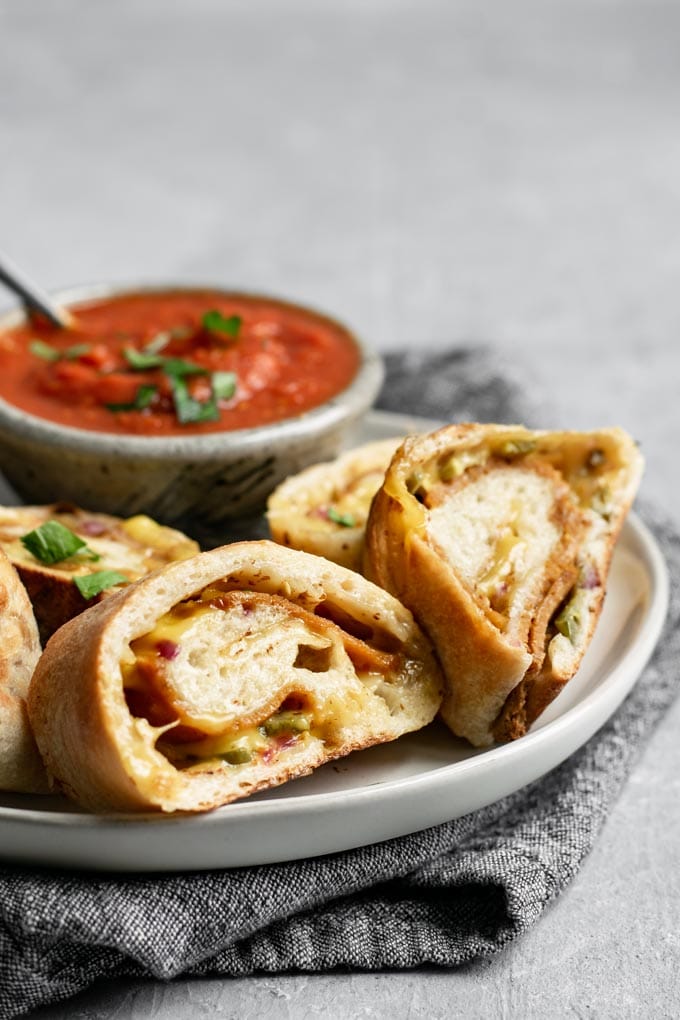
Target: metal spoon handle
[{"x": 32, "y": 296}]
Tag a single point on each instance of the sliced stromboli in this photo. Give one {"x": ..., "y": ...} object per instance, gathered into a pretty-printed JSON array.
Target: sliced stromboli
[
  {"x": 128, "y": 547},
  {"x": 225, "y": 674},
  {"x": 21, "y": 769},
  {"x": 323, "y": 509},
  {"x": 499, "y": 540}
]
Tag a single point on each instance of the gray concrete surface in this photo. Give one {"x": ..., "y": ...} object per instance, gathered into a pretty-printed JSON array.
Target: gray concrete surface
[{"x": 434, "y": 172}]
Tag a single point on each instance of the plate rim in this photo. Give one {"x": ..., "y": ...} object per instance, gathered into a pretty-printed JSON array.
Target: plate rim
[{"x": 594, "y": 708}]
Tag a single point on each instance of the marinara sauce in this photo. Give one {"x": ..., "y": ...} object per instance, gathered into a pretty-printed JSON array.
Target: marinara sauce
[{"x": 175, "y": 362}]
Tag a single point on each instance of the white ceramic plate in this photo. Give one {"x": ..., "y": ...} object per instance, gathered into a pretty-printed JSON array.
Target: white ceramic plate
[{"x": 420, "y": 780}]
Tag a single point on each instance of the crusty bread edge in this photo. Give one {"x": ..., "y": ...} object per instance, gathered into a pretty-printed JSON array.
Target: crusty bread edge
[
  {"x": 398, "y": 557},
  {"x": 84, "y": 729},
  {"x": 481, "y": 667},
  {"x": 21, "y": 768}
]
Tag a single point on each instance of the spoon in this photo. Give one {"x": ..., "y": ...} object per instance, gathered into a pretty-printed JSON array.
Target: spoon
[{"x": 32, "y": 296}]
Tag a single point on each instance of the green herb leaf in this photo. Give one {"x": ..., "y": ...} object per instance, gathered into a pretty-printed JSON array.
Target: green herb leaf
[
  {"x": 178, "y": 367},
  {"x": 346, "y": 520},
  {"x": 92, "y": 584},
  {"x": 71, "y": 353},
  {"x": 143, "y": 399},
  {"x": 141, "y": 361},
  {"x": 145, "y": 395},
  {"x": 43, "y": 350},
  {"x": 228, "y": 325},
  {"x": 189, "y": 410},
  {"x": 223, "y": 385},
  {"x": 53, "y": 542},
  {"x": 158, "y": 343}
]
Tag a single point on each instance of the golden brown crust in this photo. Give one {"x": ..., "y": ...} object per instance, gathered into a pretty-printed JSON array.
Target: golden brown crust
[
  {"x": 490, "y": 617},
  {"x": 470, "y": 648},
  {"x": 21, "y": 768},
  {"x": 54, "y": 599},
  {"x": 132, "y": 547},
  {"x": 106, "y": 758}
]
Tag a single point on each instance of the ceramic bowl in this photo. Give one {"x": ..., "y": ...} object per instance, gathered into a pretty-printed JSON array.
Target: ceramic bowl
[{"x": 206, "y": 479}]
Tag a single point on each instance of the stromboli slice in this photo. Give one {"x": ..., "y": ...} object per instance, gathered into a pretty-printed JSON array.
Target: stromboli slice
[
  {"x": 499, "y": 540},
  {"x": 21, "y": 769},
  {"x": 132, "y": 547},
  {"x": 324, "y": 508},
  {"x": 225, "y": 674}
]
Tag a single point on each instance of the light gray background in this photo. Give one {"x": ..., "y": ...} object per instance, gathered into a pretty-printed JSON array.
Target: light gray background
[{"x": 434, "y": 173}]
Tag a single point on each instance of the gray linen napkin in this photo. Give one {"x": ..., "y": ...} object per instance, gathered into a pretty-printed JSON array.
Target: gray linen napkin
[{"x": 446, "y": 895}]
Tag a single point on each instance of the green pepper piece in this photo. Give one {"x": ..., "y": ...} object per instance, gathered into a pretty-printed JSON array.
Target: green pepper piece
[
  {"x": 287, "y": 722},
  {"x": 344, "y": 520},
  {"x": 568, "y": 622},
  {"x": 237, "y": 756},
  {"x": 601, "y": 502},
  {"x": 516, "y": 447}
]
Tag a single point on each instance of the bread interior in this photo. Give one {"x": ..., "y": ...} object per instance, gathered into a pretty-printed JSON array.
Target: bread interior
[
  {"x": 242, "y": 676},
  {"x": 510, "y": 535}
]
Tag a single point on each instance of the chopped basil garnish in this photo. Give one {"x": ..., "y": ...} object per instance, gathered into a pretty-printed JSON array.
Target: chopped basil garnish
[
  {"x": 346, "y": 520},
  {"x": 180, "y": 367},
  {"x": 92, "y": 584},
  {"x": 48, "y": 353},
  {"x": 141, "y": 361},
  {"x": 71, "y": 353},
  {"x": 228, "y": 325},
  {"x": 187, "y": 408},
  {"x": 43, "y": 350},
  {"x": 143, "y": 399},
  {"x": 145, "y": 395},
  {"x": 53, "y": 542},
  {"x": 223, "y": 385},
  {"x": 156, "y": 345}
]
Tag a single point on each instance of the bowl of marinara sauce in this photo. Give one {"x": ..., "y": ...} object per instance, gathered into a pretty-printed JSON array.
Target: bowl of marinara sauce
[{"x": 185, "y": 403}]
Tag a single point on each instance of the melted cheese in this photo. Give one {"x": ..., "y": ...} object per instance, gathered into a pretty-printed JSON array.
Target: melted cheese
[
  {"x": 456, "y": 464},
  {"x": 242, "y": 746},
  {"x": 209, "y": 664},
  {"x": 498, "y": 571},
  {"x": 134, "y": 547}
]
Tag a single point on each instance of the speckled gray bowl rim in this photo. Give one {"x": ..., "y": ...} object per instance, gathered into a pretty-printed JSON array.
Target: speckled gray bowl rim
[{"x": 349, "y": 403}]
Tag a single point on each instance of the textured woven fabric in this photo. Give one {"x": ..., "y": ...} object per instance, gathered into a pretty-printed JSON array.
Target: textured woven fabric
[{"x": 445, "y": 895}]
